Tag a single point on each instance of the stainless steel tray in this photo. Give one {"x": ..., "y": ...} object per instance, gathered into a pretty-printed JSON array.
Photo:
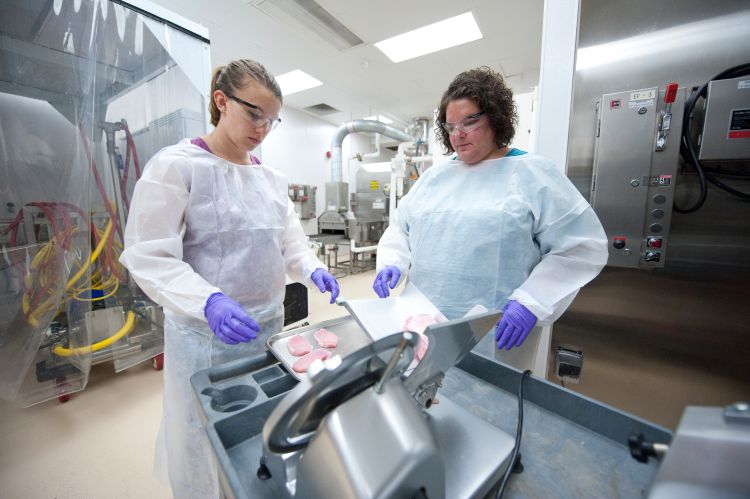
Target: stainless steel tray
[{"x": 351, "y": 339}]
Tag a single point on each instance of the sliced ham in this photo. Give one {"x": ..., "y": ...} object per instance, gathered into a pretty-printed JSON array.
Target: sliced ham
[
  {"x": 424, "y": 343},
  {"x": 325, "y": 338},
  {"x": 301, "y": 364},
  {"x": 298, "y": 345},
  {"x": 417, "y": 324}
]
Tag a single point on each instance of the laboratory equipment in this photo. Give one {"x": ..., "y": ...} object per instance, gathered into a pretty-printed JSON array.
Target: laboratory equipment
[
  {"x": 456, "y": 446},
  {"x": 635, "y": 165},
  {"x": 303, "y": 197},
  {"x": 726, "y": 125},
  {"x": 359, "y": 216},
  {"x": 89, "y": 91},
  {"x": 364, "y": 424},
  {"x": 704, "y": 276},
  {"x": 707, "y": 456}
]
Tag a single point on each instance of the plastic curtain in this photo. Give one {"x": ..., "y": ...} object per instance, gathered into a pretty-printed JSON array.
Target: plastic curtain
[{"x": 88, "y": 93}]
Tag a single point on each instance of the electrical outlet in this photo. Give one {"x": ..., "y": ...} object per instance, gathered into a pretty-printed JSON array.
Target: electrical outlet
[{"x": 568, "y": 363}]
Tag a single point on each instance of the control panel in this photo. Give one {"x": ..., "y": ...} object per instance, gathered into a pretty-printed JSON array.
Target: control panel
[
  {"x": 635, "y": 164},
  {"x": 303, "y": 197}
]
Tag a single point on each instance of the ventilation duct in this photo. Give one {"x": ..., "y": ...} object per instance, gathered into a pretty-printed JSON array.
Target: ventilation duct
[
  {"x": 358, "y": 126},
  {"x": 308, "y": 16},
  {"x": 321, "y": 109}
]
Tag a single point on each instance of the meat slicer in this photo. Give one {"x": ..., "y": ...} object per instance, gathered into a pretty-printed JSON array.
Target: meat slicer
[{"x": 369, "y": 426}]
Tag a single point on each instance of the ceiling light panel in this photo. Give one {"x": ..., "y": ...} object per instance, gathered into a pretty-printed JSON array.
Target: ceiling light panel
[
  {"x": 296, "y": 81},
  {"x": 432, "y": 38}
]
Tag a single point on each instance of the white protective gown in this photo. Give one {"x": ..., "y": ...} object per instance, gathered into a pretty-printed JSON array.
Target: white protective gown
[
  {"x": 513, "y": 228},
  {"x": 198, "y": 225}
]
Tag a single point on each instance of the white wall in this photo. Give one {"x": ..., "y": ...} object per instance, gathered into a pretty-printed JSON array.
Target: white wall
[
  {"x": 298, "y": 148},
  {"x": 525, "y": 131}
]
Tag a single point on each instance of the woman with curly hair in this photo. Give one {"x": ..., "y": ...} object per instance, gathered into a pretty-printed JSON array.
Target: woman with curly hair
[{"x": 494, "y": 225}]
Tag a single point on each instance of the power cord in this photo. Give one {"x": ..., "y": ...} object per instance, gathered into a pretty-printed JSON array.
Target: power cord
[{"x": 517, "y": 445}]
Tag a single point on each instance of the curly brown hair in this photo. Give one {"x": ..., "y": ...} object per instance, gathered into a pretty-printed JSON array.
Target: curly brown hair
[{"x": 486, "y": 88}]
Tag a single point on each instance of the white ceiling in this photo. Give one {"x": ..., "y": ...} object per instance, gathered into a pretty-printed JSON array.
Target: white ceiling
[{"x": 362, "y": 81}]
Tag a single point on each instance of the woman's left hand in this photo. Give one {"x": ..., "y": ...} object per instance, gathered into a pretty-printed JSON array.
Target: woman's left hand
[
  {"x": 515, "y": 326},
  {"x": 326, "y": 282}
]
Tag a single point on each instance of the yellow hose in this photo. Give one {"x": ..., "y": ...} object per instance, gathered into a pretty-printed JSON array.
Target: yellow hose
[
  {"x": 104, "y": 297},
  {"x": 94, "y": 256},
  {"x": 126, "y": 328},
  {"x": 32, "y": 317}
]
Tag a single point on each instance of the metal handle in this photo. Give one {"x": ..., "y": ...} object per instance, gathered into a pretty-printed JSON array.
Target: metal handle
[{"x": 406, "y": 340}]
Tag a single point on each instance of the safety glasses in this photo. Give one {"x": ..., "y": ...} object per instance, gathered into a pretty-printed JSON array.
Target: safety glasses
[
  {"x": 257, "y": 119},
  {"x": 466, "y": 125}
]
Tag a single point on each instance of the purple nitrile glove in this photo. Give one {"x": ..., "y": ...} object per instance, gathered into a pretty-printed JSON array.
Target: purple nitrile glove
[
  {"x": 515, "y": 326},
  {"x": 387, "y": 278},
  {"x": 229, "y": 321},
  {"x": 326, "y": 282}
]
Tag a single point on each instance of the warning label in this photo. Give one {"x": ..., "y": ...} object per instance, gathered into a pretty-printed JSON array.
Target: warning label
[{"x": 739, "y": 124}]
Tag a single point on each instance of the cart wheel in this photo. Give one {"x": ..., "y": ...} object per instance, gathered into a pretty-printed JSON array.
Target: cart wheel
[
  {"x": 158, "y": 362},
  {"x": 60, "y": 386}
]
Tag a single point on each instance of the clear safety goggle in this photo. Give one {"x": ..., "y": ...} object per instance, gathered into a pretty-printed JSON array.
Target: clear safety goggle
[
  {"x": 466, "y": 125},
  {"x": 257, "y": 120}
]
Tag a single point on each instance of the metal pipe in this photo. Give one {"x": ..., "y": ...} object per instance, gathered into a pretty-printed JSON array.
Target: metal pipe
[
  {"x": 420, "y": 159},
  {"x": 361, "y": 249},
  {"x": 358, "y": 126}
]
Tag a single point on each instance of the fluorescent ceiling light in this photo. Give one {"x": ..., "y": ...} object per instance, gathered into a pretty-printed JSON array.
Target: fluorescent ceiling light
[
  {"x": 380, "y": 118},
  {"x": 428, "y": 39},
  {"x": 296, "y": 81}
]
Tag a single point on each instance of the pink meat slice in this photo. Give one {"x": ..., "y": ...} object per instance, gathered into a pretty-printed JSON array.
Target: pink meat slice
[
  {"x": 298, "y": 345},
  {"x": 417, "y": 324},
  {"x": 301, "y": 364},
  {"x": 325, "y": 338}
]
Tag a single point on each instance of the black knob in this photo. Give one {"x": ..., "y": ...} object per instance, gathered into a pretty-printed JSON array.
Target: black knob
[
  {"x": 657, "y": 213},
  {"x": 640, "y": 449},
  {"x": 619, "y": 243},
  {"x": 652, "y": 256}
]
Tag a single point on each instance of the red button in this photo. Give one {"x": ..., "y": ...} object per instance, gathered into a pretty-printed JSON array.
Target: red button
[{"x": 654, "y": 242}]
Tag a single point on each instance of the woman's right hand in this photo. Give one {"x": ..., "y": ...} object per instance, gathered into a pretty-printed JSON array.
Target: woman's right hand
[
  {"x": 387, "y": 278},
  {"x": 229, "y": 321}
]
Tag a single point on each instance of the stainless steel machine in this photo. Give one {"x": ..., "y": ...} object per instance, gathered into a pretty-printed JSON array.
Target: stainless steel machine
[
  {"x": 364, "y": 425},
  {"x": 363, "y": 215},
  {"x": 370, "y": 203},
  {"x": 303, "y": 197},
  {"x": 635, "y": 167},
  {"x": 367, "y": 424},
  {"x": 657, "y": 336},
  {"x": 335, "y": 219}
]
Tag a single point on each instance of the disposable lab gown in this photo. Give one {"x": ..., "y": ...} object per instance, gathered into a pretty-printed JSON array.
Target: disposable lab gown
[
  {"x": 513, "y": 228},
  {"x": 198, "y": 225}
]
